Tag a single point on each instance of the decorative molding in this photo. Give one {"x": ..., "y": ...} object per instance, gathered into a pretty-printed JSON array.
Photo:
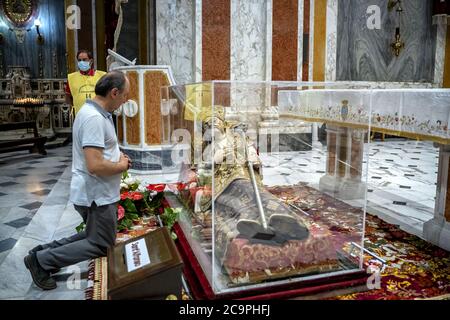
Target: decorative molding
[
  {"x": 18, "y": 83},
  {"x": 55, "y": 64},
  {"x": 41, "y": 62},
  {"x": 19, "y": 14},
  {"x": 441, "y": 19}
]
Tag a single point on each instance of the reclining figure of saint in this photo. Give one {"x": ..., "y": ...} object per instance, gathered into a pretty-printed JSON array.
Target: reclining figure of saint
[{"x": 242, "y": 206}]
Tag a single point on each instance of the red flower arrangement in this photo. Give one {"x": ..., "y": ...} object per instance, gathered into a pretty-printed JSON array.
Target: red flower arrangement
[
  {"x": 137, "y": 201},
  {"x": 136, "y": 204}
]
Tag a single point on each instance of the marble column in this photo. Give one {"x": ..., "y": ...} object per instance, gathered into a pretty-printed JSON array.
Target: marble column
[
  {"x": 315, "y": 136},
  {"x": 332, "y": 148},
  {"x": 248, "y": 40},
  {"x": 311, "y": 41},
  {"x": 441, "y": 36},
  {"x": 344, "y": 163},
  {"x": 198, "y": 41},
  {"x": 437, "y": 230},
  {"x": 331, "y": 46},
  {"x": 301, "y": 5},
  {"x": 176, "y": 38}
]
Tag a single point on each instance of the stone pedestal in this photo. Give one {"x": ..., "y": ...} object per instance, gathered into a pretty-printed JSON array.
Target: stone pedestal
[
  {"x": 344, "y": 163},
  {"x": 437, "y": 230},
  {"x": 315, "y": 136},
  {"x": 283, "y": 135}
]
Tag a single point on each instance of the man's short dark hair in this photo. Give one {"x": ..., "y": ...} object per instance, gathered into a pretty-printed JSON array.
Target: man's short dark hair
[
  {"x": 111, "y": 80},
  {"x": 89, "y": 54}
]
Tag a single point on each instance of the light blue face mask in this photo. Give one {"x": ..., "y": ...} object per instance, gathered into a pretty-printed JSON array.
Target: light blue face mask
[{"x": 84, "y": 65}]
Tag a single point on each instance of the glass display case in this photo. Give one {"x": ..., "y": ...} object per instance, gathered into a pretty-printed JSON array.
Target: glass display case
[{"x": 272, "y": 180}]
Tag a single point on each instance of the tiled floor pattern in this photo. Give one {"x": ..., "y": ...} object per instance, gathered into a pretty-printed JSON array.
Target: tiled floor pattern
[
  {"x": 33, "y": 210},
  {"x": 24, "y": 186}
]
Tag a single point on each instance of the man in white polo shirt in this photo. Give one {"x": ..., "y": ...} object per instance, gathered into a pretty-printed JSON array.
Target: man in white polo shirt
[{"x": 95, "y": 188}]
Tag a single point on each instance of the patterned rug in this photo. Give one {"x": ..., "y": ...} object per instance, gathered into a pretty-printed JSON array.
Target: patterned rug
[{"x": 414, "y": 270}]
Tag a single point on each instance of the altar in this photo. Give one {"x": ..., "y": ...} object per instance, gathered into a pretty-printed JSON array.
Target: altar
[{"x": 42, "y": 100}]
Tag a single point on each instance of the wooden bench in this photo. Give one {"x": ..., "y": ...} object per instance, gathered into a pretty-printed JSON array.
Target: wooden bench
[{"x": 34, "y": 144}]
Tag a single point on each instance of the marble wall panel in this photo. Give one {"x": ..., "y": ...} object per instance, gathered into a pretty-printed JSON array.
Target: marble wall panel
[
  {"x": 216, "y": 42},
  {"x": 440, "y": 24},
  {"x": 332, "y": 20},
  {"x": 153, "y": 82},
  {"x": 285, "y": 40},
  {"x": 365, "y": 55},
  {"x": 133, "y": 125},
  {"x": 248, "y": 40},
  {"x": 175, "y": 37}
]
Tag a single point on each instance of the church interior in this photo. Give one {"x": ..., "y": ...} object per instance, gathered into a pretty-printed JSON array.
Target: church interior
[{"x": 280, "y": 149}]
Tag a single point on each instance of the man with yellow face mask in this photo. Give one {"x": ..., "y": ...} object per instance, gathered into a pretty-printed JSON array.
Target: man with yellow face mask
[{"x": 81, "y": 84}]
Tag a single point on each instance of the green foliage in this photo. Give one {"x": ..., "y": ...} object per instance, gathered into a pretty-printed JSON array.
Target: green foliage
[
  {"x": 81, "y": 227},
  {"x": 129, "y": 206},
  {"x": 124, "y": 224},
  {"x": 170, "y": 217}
]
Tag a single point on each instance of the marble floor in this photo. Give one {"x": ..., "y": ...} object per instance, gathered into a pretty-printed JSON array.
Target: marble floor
[
  {"x": 34, "y": 204},
  {"x": 401, "y": 178},
  {"x": 34, "y": 192}
]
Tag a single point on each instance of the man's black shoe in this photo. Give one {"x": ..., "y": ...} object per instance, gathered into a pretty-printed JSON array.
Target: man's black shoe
[
  {"x": 41, "y": 277},
  {"x": 39, "y": 248},
  {"x": 36, "y": 249}
]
